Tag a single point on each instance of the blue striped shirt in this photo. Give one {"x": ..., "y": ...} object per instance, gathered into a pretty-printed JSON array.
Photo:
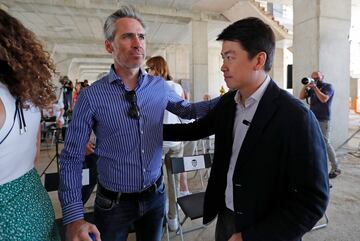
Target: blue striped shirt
[{"x": 129, "y": 150}]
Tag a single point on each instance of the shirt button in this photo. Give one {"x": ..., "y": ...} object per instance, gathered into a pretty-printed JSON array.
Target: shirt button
[
  {"x": 144, "y": 170},
  {"x": 141, "y": 132},
  {"x": 142, "y": 150}
]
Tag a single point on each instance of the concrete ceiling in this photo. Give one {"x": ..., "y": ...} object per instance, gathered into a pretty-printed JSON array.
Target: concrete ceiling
[{"x": 72, "y": 29}]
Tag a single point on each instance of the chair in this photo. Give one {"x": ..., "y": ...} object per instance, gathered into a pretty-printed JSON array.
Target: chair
[
  {"x": 191, "y": 205},
  {"x": 51, "y": 183},
  {"x": 325, "y": 224}
]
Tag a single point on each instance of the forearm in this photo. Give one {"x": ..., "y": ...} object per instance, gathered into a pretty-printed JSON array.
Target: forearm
[
  {"x": 192, "y": 131},
  {"x": 186, "y": 110},
  {"x": 70, "y": 186},
  {"x": 184, "y": 132},
  {"x": 71, "y": 162},
  {"x": 303, "y": 94},
  {"x": 321, "y": 96},
  {"x": 38, "y": 143},
  {"x": 204, "y": 107}
]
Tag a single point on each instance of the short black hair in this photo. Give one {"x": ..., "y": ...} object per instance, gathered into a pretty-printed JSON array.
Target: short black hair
[{"x": 254, "y": 36}]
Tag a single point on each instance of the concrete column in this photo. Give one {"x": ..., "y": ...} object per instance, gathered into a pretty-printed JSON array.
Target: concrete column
[
  {"x": 199, "y": 61},
  {"x": 216, "y": 78},
  {"x": 178, "y": 60},
  {"x": 321, "y": 30},
  {"x": 278, "y": 71},
  {"x": 270, "y": 8}
]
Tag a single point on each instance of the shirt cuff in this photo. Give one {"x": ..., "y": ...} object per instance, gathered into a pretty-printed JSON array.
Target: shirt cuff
[{"x": 72, "y": 212}]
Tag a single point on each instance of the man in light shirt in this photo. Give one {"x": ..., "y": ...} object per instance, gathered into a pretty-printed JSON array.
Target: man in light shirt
[{"x": 269, "y": 175}]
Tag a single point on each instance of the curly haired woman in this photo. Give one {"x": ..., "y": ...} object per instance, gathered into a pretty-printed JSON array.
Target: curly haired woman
[{"x": 26, "y": 212}]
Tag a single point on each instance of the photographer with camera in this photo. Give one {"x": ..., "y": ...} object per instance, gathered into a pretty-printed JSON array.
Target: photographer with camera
[{"x": 321, "y": 95}]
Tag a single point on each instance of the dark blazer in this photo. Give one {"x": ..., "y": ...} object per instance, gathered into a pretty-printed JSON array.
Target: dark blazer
[{"x": 280, "y": 180}]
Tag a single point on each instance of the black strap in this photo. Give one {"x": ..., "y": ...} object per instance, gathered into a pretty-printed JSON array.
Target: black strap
[
  {"x": 16, "y": 111},
  {"x": 21, "y": 118}
]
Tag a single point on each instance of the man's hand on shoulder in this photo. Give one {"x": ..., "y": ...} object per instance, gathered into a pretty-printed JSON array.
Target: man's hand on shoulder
[
  {"x": 236, "y": 237},
  {"x": 79, "y": 230}
]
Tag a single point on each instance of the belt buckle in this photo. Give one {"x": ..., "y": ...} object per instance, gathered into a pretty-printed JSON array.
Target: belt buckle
[
  {"x": 155, "y": 187},
  {"x": 151, "y": 189}
]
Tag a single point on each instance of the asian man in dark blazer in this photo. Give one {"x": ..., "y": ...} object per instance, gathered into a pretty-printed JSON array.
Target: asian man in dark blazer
[{"x": 269, "y": 175}]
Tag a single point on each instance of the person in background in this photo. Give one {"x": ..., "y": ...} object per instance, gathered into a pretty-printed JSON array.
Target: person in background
[
  {"x": 157, "y": 66},
  {"x": 78, "y": 87},
  {"x": 26, "y": 212},
  {"x": 321, "y": 95},
  {"x": 206, "y": 97},
  {"x": 67, "y": 92},
  {"x": 85, "y": 83}
]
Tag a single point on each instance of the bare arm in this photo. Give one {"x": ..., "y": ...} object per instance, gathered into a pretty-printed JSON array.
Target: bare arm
[
  {"x": 303, "y": 94},
  {"x": 38, "y": 142},
  {"x": 320, "y": 95}
]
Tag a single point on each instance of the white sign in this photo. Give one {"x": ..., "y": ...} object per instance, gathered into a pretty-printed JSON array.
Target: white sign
[
  {"x": 85, "y": 177},
  {"x": 194, "y": 163}
]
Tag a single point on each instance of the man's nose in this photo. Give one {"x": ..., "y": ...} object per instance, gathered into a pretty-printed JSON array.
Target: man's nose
[
  {"x": 136, "y": 42},
  {"x": 223, "y": 67}
]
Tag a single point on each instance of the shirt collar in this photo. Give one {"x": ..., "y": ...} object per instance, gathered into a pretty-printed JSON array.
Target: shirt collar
[
  {"x": 256, "y": 96},
  {"x": 114, "y": 77}
]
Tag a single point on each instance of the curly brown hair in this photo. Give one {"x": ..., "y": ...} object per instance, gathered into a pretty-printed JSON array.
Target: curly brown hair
[{"x": 25, "y": 68}]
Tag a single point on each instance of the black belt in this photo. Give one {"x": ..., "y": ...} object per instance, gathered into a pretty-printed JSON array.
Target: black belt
[{"x": 133, "y": 195}]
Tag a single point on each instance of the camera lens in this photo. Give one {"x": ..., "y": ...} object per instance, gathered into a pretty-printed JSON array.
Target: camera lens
[{"x": 305, "y": 81}]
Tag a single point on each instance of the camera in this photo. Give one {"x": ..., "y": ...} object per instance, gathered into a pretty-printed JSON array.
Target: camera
[{"x": 307, "y": 80}]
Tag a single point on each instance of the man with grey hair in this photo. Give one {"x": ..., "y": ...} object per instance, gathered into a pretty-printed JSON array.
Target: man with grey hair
[{"x": 125, "y": 109}]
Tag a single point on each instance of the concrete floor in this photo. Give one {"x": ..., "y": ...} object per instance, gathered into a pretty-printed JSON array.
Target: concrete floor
[{"x": 343, "y": 210}]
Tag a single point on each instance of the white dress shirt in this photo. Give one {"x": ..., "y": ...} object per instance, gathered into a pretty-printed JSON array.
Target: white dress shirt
[{"x": 243, "y": 118}]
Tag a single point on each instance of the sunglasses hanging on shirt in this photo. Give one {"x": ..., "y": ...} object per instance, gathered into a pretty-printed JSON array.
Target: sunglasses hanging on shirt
[{"x": 133, "y": 111}]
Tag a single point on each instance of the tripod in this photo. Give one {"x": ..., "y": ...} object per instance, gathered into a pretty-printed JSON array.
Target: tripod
[{"x": 56, "y": 156}]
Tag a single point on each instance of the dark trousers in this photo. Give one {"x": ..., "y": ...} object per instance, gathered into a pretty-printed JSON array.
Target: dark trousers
[
  {"x": 67, "y": 100},
  {"x": 114, "y": 219}
]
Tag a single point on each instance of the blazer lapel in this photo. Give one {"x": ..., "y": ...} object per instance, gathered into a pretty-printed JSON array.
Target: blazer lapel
[
  {"x": 264, "y": 112},
  {"x": 228, "y": 128}
]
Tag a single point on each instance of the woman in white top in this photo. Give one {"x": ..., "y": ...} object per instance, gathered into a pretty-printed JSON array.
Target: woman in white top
[
  {"x": 26, "y": 212},
  {"x": 157, "y": 66}
]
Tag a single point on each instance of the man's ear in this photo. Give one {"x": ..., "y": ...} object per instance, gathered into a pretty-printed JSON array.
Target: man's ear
[
  {"x": 260, "y": 60},
  {"x": 108, "y": 46}
]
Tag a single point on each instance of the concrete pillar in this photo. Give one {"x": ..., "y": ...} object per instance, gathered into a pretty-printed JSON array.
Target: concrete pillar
[
  {"x": 270, "y": 8},
  {"x": 216, "y": 78},
  {"x": 355, "y": 58},
  {"x": 199, "y": 61},
  {"x": 321, "y": 30},
  {"x": 278, "y": 71},
  {"x": 177, "y": 58}
]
